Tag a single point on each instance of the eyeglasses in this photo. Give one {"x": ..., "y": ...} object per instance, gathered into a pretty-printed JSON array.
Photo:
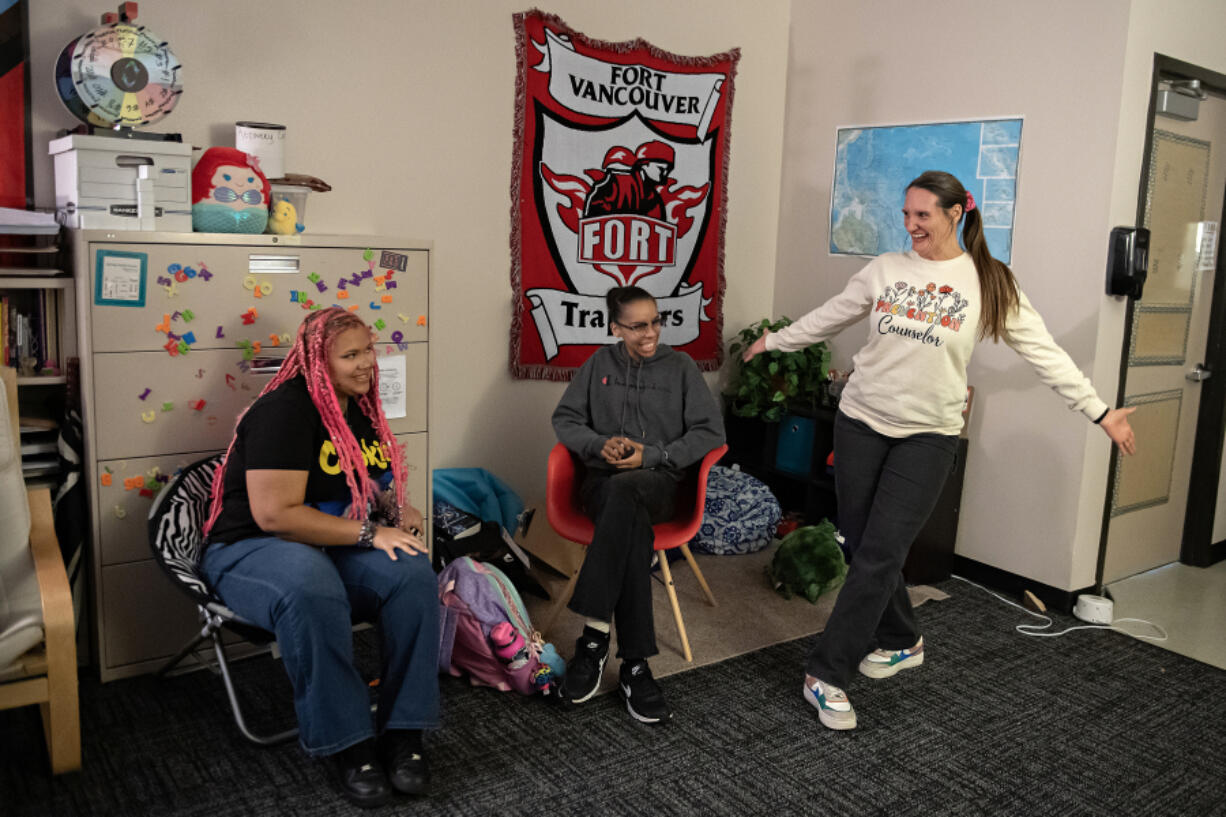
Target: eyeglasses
[
  {"x": 226, "y": 195},
  {"x": 639, "y": 328}
]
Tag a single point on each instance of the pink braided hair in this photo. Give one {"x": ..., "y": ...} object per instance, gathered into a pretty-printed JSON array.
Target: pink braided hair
[{"x": 309, "y": 357}]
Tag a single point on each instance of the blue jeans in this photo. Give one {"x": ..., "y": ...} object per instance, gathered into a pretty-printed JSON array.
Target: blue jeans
[
  {"x": 309, "y": 598},
  {"x": 887, "y": 487}
]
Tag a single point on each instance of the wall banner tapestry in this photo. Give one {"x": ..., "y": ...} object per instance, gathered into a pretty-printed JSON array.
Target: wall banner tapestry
[
  {"x": 619, "y": 177},
  {"x": 16, "y": 183}
]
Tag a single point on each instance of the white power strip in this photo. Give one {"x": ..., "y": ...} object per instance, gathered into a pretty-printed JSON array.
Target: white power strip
[{"x": 1094, "y": 609}]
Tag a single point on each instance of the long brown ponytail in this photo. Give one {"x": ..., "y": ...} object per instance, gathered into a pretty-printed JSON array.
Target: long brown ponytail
[{"x": 997, "y": 286}]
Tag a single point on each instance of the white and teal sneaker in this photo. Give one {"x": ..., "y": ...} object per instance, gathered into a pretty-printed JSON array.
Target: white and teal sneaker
[
  {"x": 833, "y": 708},
  {"x": 884, "y": 663}
]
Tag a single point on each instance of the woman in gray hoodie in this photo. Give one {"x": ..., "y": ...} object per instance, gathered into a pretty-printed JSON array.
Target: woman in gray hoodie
[{"x": 637, "y": 414}]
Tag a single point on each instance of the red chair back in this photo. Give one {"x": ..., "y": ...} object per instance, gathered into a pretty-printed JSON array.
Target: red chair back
[{"x": 564, "y": 507}]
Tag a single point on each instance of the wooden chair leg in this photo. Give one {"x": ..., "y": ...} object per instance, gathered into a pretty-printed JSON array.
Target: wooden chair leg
[
  {"x": 556, "y": 609},
  {"x": 62, "y": 727},
  {"x": 702, "y": 582},
  {"x": 61, "y": 711},
  {"x": 672, "y": 599}
]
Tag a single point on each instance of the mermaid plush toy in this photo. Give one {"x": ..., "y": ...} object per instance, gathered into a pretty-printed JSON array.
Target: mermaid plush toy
[{"x": 229, "y": 193}]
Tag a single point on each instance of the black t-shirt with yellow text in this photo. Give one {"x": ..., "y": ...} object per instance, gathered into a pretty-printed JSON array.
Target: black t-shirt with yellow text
[{"x": 284, "y": 431}]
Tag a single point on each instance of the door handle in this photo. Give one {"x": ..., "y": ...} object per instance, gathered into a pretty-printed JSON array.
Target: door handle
[{"x": 1199, "y": 373}]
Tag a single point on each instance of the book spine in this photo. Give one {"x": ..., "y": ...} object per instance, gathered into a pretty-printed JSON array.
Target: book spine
[
  {"x": 53, "y": 331},
  {"x": 40, "y": 331}
]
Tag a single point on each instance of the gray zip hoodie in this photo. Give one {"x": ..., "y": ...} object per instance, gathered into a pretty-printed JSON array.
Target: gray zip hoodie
[{"x": 661, "y": 401}]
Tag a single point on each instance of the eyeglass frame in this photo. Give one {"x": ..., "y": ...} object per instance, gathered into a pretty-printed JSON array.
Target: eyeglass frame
[{"x": 640, "y": 328}]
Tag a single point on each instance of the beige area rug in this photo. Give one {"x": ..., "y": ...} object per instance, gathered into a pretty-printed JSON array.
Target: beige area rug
[{"x": 750, "y": 615}]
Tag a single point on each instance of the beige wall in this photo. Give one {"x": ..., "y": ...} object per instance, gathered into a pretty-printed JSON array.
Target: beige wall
[
  {"x": 1187, "y": 30},
  {"x": 405, "y": 107},
  {"x": 1058, "y": 64},
  {"x": 422, "y": 149}
]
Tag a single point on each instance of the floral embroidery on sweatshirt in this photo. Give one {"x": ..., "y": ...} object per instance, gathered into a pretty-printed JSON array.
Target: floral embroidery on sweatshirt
[{"x": 915, "y": 312}]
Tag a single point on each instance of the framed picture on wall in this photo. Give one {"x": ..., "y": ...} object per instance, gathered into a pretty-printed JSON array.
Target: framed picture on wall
[{"x": 16, "y": 178}]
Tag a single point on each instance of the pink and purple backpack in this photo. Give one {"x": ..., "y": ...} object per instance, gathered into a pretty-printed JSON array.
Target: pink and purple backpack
[{"x": 486, "y": 633}]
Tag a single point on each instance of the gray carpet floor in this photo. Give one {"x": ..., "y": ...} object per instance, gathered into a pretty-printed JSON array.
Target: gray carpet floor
[{"x": 994, "y": 723}]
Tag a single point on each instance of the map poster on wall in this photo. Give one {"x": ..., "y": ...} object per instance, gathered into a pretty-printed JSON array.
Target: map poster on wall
[
  {"x": 619, "y": 178},
  {"x": 873, "y": 165}
]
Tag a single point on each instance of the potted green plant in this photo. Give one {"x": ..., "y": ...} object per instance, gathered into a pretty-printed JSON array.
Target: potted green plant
[{"x": 774, "y": 383}]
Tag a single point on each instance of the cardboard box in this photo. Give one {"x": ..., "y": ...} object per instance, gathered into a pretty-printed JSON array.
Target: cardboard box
[
  {"x": 113, "y": 183},
  {"x": 545, "y": 545}
]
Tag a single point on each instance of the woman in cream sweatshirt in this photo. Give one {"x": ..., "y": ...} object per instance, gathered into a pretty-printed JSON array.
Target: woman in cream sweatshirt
[{"x": 899, "y": 416}]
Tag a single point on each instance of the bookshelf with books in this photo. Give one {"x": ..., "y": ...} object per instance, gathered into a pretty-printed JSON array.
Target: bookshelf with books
[{"x": 37, "y": 334}]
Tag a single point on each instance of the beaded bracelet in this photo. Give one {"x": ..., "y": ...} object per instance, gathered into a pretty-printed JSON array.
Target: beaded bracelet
[{"x": 366, "y": 536}]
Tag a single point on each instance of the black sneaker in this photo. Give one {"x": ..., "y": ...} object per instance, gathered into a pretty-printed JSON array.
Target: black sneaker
[
  {"x": 404, "y": 759},
  {"x": 360, "y": 775},
  {"x": 644, "y": 698},
  {"x": 583, "y": 671}
]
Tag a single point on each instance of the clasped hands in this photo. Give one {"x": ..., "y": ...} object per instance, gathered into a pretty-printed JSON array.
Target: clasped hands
[{"x": 622, "y": 452}]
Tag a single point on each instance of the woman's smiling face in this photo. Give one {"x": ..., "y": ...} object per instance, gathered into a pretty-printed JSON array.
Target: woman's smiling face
[
  {"x": 351, "y": 362},
  {"x": 933, "y": 229},
  {"x": 639, "y": 327}
]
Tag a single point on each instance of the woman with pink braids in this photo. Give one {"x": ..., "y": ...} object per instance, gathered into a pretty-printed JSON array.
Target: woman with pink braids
[{"x": 309, "y": 530}]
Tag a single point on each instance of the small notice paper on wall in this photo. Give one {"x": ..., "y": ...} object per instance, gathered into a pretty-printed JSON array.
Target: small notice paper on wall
[
  {"x": 393, "y": 385},
  {"x": 1207, "y": 251},
  {"x": 121, "y": 278}
]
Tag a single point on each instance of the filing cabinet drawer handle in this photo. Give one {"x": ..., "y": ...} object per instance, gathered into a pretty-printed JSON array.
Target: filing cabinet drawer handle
[
  {"x": 273, "y": 264},
  {"x": 266, "y": 365}
]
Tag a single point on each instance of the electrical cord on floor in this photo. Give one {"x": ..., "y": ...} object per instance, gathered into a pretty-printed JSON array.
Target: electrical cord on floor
[{"x": 1036, "y": 630}]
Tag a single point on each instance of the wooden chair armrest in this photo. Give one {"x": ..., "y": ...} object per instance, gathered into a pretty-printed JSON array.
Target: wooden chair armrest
[{"x": 59, "y": 620}]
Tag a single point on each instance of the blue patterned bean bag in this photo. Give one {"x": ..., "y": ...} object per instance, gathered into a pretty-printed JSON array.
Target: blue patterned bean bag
[{"x": 740, "y": 515}]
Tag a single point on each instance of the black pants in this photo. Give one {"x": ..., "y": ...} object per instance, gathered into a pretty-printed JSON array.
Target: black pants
[
  {"x": 615, "y": 580},
  {"x": 886, "y": 487}
]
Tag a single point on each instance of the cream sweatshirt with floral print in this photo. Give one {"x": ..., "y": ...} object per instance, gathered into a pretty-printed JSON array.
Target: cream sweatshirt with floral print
[{"x": 910, "y": 377}]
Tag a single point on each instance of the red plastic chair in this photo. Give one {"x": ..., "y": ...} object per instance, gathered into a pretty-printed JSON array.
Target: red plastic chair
[{"x": 565, "y": 511}]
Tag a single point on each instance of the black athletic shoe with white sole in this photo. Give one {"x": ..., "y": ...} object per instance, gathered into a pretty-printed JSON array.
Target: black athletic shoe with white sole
[
  {"x": 583, "y": 671},
  {"x": 644, "y": 698}
]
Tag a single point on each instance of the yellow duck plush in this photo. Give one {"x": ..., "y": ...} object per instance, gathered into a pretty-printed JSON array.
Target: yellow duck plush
[{"x": 284, "y": 219}]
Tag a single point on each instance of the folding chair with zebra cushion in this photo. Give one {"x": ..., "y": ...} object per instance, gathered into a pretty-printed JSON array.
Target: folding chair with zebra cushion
[{"x": 176, "y": 534}]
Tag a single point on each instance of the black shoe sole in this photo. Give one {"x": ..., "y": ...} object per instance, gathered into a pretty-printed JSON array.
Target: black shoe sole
[
  {"x": 417, "y": 789},
  {"x": 368, "y": 802}
]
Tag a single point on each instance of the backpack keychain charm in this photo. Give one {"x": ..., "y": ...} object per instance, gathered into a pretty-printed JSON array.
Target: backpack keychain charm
[{"x": 509, "y": 645}]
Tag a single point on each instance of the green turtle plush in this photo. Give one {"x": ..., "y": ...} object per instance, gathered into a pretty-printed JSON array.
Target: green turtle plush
[{"x": 808, "y": 562}]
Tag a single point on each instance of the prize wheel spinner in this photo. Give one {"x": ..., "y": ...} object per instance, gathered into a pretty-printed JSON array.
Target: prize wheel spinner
[{"x": 120, "y": 75}]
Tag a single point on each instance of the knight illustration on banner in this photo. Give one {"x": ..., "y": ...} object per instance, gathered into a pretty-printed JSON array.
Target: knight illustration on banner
[{"x": 619, "y": 180}]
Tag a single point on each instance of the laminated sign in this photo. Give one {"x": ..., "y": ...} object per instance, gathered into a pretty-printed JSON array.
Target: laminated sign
[{"x": 619, "y": 178}]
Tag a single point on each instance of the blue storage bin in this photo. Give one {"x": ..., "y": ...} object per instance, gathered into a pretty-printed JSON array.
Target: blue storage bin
[{"x": 794, "y": 452}]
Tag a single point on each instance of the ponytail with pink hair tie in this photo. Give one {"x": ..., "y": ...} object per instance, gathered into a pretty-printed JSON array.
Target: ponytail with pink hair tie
[{"x": 970, "y": 201}]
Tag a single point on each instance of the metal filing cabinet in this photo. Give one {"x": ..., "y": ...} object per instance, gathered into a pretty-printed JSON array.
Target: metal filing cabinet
[{"x": 178, "y": 334}]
